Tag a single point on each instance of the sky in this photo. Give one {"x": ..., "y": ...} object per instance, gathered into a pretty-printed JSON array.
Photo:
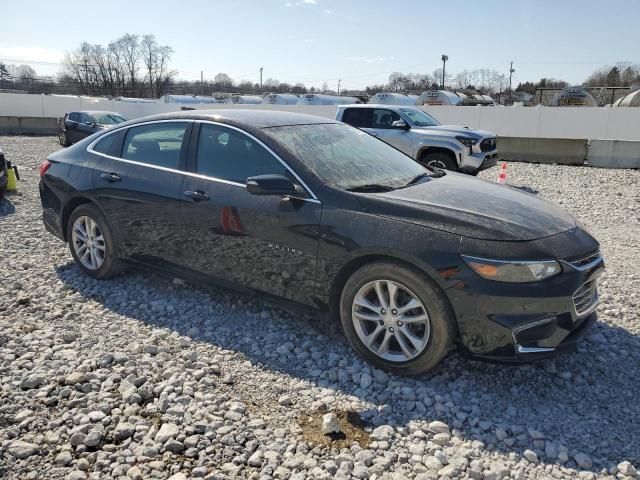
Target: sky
[{"x": 359, "y": 41}]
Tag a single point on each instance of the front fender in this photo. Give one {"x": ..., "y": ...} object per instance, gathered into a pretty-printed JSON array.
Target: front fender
[{"x": 445, "y": 143}]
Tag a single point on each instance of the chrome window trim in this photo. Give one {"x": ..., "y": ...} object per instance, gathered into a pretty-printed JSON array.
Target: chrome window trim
[
  {"x": 113, "y": 130},
  {"x": 525, "y": 350}
]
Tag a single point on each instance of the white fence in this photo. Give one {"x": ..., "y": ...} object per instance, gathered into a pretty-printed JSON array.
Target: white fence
[{"x": 540, "y": 122}]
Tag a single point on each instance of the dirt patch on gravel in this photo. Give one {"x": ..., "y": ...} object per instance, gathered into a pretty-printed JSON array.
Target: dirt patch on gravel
[{"x": 351, "y": 426}]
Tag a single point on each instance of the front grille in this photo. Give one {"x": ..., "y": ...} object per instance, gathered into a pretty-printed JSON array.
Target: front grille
[
  {"x": 488, "y": 144},
  {"x": 583, "y": 260},
  {"x": 585, "y": 298}
]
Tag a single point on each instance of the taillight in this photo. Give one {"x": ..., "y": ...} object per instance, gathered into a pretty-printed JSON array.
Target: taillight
[{"x": 44, "y": 166}]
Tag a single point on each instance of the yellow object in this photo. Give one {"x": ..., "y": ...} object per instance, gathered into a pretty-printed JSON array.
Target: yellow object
[{"x": 11, "y": 180}]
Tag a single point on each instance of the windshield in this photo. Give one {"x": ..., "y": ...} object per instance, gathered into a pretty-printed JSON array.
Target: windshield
[
  {"x": 109, "y": 118},
  {"x": 419, "y": 118},
  {"x": 345, "y": 157}
]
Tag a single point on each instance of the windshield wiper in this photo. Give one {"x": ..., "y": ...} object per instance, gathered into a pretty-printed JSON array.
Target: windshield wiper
[
  {"x": 435, "y": 173},
  {"x": 371, "y": 187}
]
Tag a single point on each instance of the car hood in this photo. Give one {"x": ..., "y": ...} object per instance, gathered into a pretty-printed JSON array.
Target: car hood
[
  {"x": 471, "y": 207},
  {"x": 453, "y": 130}
]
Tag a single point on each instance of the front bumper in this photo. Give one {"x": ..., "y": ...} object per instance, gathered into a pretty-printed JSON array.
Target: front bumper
[
  {"x": 518, "y": 323},
  {"x": 477, "y": 161}
]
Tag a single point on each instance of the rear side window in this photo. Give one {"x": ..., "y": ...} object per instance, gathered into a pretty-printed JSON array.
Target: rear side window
[
  {"x": 357, "y": 117},
  {"x": 74, "y": 116},
  {"x": 230, "y": 155},
  {"x": 156, "y": 144},
  {"x": 110, "y": 144}
]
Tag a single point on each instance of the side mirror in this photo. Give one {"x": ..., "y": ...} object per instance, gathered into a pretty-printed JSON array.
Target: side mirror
[
  {"x": 271, "y": 185},
  {"x": 401, "y": 124}
]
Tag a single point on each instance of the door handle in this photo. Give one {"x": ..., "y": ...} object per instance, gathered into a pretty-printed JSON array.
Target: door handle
[
  {"x": 197, "y": 196},
  {"x": 110, "y": 177}
]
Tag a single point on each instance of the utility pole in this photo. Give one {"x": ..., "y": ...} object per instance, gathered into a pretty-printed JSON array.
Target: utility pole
[
  {"x": 261, "y": 78},
  {"x": 201, "y": 83},
  {"x": 444, "y": 59},
  {"x": 511, "y": 70},
  {"x": 339, "y": 80}
]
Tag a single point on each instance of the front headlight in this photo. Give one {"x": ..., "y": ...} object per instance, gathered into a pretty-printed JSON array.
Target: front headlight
[
  {"x": 467, "y": 141},
  {"x": 513, "y": 270}
]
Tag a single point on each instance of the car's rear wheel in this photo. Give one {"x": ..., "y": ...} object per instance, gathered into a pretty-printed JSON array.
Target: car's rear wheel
[
  {"x": 92, "y": 243},
  {"x": 63, "y": 138},
  {"x": 439, "y": 160},
  {"x": 395, "y": 317}
]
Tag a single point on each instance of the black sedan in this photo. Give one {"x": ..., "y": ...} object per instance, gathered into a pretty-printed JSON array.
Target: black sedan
[
  {"x": 78, "y": 125},
  {"x": 313, "y": 211}
]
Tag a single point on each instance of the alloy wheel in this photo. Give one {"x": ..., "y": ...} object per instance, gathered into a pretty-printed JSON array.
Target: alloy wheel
[
  {"x": 390, "y": 320},
  {"x": 88, "y": 242},
  {"x": 437, "y": 164}
]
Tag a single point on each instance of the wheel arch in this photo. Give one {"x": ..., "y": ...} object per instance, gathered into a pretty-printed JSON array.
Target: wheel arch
[
  {"x": 340, "y": 278},
  {"x": 68, "y": 209},
  {"x": 426, "y": 150}
]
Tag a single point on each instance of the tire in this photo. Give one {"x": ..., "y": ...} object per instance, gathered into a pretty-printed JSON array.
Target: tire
[
  {"x": 63, "y": 138},
  {"x": 110, "y": 265},
  {"x": 439, "y": 160},
  {"x": 441, "y": 323}
]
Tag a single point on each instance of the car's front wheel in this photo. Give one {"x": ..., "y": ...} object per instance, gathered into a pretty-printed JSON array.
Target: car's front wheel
[
  {"x": 439, "y": 160},
  {"x": 395, "y": 317},
  {"x": 92, "y": 243}
]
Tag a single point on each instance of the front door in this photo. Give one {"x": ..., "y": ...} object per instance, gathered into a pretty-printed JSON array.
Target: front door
[
  {"x": 140, "y": 192},
  {"x": 382, "y": 127},
  {"x": 267, "y": 243}
]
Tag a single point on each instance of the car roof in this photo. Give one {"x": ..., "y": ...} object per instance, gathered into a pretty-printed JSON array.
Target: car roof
[{"x": 242, "y": 117}]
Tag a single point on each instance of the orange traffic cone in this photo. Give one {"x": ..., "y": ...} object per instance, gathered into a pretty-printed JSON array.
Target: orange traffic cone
[{"x": 502, "y": 177}]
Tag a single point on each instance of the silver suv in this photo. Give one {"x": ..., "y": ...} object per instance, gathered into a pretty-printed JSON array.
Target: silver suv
[{"x": 420, "y": 136}]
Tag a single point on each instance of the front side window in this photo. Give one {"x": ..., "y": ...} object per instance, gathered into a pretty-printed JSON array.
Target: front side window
[
  {"x": 156, "y": 144},
  {"x": 345, "y": 157},
  {"x": 109, "y": 119},
  {"x": 86, "y": 119},
  {"x": 230, "y": 155},
  {"x": 384, "y": 118},
  {"x": 419, "y": 118},
  {"x": 74, "y": 117}
]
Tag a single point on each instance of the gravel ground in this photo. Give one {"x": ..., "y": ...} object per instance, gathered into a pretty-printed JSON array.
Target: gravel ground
[{"x": 144, "y": 376}]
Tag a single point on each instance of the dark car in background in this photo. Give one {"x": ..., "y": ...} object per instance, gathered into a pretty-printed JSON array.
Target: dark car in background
[
  {"x": 78, "y": 125},
  {"x": 305, "y": 209}
]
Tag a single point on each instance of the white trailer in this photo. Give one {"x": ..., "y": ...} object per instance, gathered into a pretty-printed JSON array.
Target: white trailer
[
  {"x": 321, "y": 99},
  {"x": 186, "y": 99},
  {"x": 280, "y": 99},
  {"x": 438, "y": 97},
  {"x": 245, "y": 99},
  {"x": 386, "y": 98}
]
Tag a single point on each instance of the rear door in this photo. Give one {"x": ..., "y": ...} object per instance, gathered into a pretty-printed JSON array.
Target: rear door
[
  {"x": 382, "y": 127},
  {"x": 267, "y": 243},
  {"x": 138, "y": 184}
]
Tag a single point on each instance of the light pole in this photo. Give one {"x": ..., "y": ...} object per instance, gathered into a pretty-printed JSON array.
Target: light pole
[
  {"x": 261, "y": 79},
  {"x": 339, "y": 80},
  {"x": 511, "y": 70},
  {"x": 444, "y": 59}
]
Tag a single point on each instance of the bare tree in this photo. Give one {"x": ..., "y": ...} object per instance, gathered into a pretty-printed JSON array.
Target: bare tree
[
  {"x": 149, "y": 54},
  {"x": 130, "y": 50},
  {"x": 222, "y": 80}
]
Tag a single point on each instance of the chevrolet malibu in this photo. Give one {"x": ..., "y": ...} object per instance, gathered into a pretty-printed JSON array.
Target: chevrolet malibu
[{"x": 413, "y": 260}]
